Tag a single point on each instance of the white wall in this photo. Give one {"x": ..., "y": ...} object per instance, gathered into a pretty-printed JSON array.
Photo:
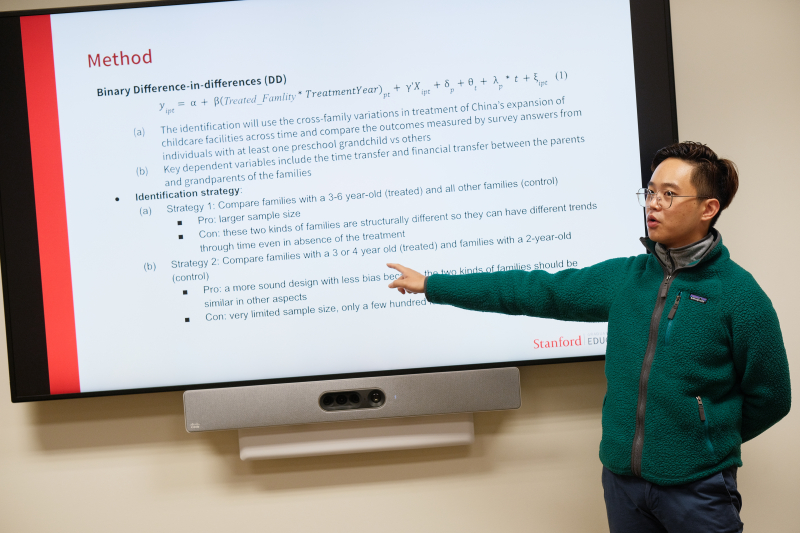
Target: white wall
[{"x": 125, "y": 464}]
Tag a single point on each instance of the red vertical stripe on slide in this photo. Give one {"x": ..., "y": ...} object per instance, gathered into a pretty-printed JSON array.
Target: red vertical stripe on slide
[{"x": 51, "y": 208}]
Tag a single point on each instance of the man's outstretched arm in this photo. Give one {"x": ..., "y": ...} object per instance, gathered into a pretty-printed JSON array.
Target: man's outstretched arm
[{"x": 573, "y": 294}]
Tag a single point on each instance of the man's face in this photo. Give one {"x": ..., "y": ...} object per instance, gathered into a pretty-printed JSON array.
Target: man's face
[{"x": 688, "y": 219}]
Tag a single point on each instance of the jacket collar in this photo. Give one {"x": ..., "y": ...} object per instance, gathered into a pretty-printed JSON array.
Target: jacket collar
[{"x": 714, "y": 251}]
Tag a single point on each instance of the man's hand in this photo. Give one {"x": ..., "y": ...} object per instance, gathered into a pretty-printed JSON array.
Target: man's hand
[{"x": 409, "y": 281}]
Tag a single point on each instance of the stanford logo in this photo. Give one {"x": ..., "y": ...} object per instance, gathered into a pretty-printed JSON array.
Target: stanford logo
[{"x": 560, "y": 342}]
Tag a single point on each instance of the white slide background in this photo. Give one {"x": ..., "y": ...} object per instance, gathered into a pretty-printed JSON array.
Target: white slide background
[{"x": 129, "y": 301}]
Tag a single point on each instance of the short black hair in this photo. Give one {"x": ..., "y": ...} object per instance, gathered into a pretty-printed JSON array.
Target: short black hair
[{"x": 713, "y": 176}]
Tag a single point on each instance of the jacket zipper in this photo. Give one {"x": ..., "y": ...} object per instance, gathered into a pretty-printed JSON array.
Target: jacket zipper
[
  {"x": 670, "y": 318},
  {"x": 700, "y": 408},
  {"x": 674, "y": 306},
  {"x": 641, "y": 404},
  {"x": 704, "y": 420},
  {"x": 647, "y": 363}
]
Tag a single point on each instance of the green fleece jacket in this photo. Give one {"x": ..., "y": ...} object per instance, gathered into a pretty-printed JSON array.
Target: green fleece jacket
[{"x": 695, "y": 361}]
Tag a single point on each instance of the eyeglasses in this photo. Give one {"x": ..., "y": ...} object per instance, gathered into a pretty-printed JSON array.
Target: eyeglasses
[{"x": 663, "y": 199}]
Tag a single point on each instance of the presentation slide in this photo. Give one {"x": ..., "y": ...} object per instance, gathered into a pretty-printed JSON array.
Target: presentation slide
[{"x": 237, "y": 175}]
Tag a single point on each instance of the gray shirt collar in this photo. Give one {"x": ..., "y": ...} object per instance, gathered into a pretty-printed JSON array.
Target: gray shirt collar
[{"x": 674, "y": 258}]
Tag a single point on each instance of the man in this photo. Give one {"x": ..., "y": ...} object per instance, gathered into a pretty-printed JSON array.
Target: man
[{"x": 695, "y": 362}]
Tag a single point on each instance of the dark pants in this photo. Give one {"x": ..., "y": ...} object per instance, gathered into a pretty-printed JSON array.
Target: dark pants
[{"x": 710, "y": 505}]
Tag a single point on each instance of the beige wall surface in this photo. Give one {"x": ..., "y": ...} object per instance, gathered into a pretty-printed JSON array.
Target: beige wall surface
[{"x": 125, "y": 464}]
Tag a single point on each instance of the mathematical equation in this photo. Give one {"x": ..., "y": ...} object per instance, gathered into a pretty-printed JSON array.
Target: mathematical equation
[
  {"x": 443, "y": 86},
  {"x": 494, "y": 82},
  {"x": 222, "y": 101}
]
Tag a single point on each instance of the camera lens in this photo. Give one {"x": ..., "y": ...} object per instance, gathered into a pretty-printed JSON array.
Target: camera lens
[
  {"x": 341, "y": 399},
  {"x": 376, "y": 396},
  {"x": 355, "y": 398},
  {"x": 327, "y": 399}
]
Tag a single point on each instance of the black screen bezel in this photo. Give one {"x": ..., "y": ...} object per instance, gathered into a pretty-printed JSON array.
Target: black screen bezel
[{"x": 21, "y": 278}]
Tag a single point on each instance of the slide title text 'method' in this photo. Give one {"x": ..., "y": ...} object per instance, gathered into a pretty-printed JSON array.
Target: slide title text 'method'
[{"x": 124, "y": 59}]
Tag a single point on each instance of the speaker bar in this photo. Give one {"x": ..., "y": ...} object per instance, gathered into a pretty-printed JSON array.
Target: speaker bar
[{"x": 300, "y": 403}]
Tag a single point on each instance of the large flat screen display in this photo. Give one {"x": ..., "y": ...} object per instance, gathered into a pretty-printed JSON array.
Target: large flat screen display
[{"x": 208, "y": 194}]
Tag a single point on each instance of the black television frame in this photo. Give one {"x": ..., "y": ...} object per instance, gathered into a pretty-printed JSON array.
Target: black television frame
[{"x": 21, "y": 278}]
